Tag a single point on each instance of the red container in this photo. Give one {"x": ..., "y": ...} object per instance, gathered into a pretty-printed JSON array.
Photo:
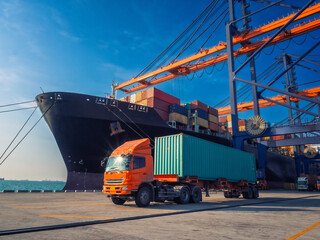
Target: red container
[
  {"x": 159, "y": 104},
  {"x": 213, "y": 127},
  {"x": 198, "y": 104},
  {"x": 163, "y": 114},
  {"x": 280, "y": 137},
  {"x": 156, "y": 93},
  {"x": 242, "y": 122},
  {"x": 223, "y": 119},
  {"x": 213, "y": 111}
]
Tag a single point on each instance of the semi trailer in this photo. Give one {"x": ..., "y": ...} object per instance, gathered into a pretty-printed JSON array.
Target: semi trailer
[{"x": 180, "y": 168}]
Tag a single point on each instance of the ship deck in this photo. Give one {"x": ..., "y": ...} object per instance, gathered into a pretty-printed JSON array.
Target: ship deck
[{"x": 91, "y": 215}]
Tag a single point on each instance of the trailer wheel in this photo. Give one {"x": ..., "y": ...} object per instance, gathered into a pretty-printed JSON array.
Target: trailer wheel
[
  {"x": 117, "y": 201},
  {"x": 255, "y": 192},
  {"x": 184, "y": 195},
  {"x": 143, "y": 197},
  {"x": 196, "y": 194},
  {"x": 250, "y": 192},
  {"x": 227, "y": 194}
]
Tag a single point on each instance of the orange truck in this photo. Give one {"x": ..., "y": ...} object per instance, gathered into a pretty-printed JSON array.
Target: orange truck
[{"x": 129, "y": 176}]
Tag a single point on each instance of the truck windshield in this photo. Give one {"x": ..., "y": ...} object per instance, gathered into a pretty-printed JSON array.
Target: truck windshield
[{"x": 118, "y": 163}]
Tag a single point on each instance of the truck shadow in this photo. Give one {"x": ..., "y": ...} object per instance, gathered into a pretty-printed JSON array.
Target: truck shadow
[{"x": 264, "y": 204}]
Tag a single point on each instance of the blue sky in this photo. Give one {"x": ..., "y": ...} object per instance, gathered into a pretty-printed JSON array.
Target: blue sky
[{"x": 81, "y": 46}]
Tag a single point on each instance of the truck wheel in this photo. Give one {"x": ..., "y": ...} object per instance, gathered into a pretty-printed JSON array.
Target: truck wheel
[
  {"x": 255, "y": 192},
  {"x": 196, "y": 194},
  {"x": 143, "y": 197},
  {"x": 250, "y": 192},
  {"x": 118, "y": 201},
  {"x": 227, "y": 194},
  {"x": 184, "y": 195}
]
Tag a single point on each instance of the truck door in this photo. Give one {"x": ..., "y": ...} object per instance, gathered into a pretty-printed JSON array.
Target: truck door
[{"x": 139, "y": 173}]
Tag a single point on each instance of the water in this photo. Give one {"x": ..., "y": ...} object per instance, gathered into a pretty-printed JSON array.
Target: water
[{"x": 30, "y": 185}]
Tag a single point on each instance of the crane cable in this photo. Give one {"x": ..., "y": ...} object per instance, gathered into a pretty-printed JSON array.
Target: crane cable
[
  {"x": 27, "y": 132},
  {"x": 174, "y": 42},
  {"x": 125, "y": 122}
]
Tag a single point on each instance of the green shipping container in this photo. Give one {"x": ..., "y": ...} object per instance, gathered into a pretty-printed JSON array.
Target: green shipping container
[{"x": 190, "y": 156}]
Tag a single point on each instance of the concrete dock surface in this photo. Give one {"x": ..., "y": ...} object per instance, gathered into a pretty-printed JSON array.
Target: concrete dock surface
[{"x": 275, "y": 215}]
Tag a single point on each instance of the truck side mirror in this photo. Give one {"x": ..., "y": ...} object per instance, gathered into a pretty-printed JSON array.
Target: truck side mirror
[{"x": 104, "y": 162}]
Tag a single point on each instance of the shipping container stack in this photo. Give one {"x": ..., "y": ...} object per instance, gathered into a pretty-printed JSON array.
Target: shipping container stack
[
  {"x": 201, "y": 109},
  {"x": 226, "y": 125},
  {"x": 154, "y": 98},
  {"x": 170, "y": 109}
]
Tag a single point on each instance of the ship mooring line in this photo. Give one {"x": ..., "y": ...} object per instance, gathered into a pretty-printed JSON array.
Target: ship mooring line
[
  {"x": 105, "y": 221},
  {"x": 12, "y": 104},
  {"x": 18, "y": 133},
  {"x": 27, "y": 133}
]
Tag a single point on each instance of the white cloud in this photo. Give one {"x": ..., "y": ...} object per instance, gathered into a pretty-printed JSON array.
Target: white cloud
[
  {"x": 118, "y": 73},
  {"x": 69, "y": 36}
]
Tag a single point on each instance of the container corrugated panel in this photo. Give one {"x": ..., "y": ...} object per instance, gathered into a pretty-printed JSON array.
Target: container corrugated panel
[
  {"x": 178, "y": 118},
  {"x": 201, "y": 122},
  {"x": 213, "y": 118},
  {"x": 158, "y": 103},
  {"x": 190, "y": 156},
  {"x": 214, "y": 127},
  {"x": 200, "y": 105},
  {"x": 213, "y": 111},
  {"x": 201, "y": 113},
  {"x": 156, "y": 93},
  {"x": 175, "y": 108},
  {"x": 163, "y": 114}
]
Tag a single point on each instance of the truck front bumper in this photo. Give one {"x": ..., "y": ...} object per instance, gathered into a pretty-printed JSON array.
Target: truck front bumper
[{"x": 117, "y": 190}]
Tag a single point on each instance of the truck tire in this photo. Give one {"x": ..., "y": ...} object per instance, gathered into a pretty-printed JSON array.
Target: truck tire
[
  {"x": 117, "y": 201},
  {"x": 196, "y": 195},
  {"x": 184, "y": 196},
  {"x": 143, "y": 197},
  {"x": 227, "y": 194},
  {"x": 255, "y": 192},
  {"x": 250, "y": 192}
]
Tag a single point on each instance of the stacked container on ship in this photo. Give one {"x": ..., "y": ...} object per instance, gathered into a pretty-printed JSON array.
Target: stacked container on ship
[{"x": 182, "y": 166}]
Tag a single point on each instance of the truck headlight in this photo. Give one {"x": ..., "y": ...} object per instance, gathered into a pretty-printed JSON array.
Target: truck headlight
[{"x": 125, "y": 188}]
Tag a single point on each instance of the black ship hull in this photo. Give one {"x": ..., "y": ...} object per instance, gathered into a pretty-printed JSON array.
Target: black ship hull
[{"x": 88, "y": 128}]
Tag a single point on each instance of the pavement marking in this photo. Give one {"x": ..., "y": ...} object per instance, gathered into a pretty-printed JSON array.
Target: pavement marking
[
  {"x": 66, "y": 216},
  {"x": 17, "y": 217},
  {"x": 29, "y": 207},
  {"x": 62, "y": 206},
  {"x": 146, "y": 210},
  {"x": 303, "y": 232}
]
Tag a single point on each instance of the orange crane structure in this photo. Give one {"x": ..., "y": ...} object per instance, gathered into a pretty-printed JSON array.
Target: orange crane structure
[
  {"x": 204, "y": 59},
  {"x": 311, "y": 93}
]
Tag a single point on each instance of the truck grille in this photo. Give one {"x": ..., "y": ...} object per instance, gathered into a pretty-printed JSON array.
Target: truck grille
[{"x": 114, "y": 181}]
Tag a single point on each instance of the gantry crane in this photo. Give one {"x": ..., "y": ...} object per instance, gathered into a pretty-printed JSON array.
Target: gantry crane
[
  {"x": 246, "y": 43},
  {"x": 187, "y": 65}
]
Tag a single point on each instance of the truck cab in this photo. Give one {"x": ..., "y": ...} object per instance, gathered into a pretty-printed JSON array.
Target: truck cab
[{"x": 127, "y": 168}]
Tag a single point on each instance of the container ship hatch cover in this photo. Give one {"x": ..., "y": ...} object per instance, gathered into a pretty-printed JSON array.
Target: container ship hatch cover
[{"x": 88, "y": 128}]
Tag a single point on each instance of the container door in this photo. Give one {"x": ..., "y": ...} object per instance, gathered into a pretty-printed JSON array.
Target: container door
[{"x": 139, "y": 173}]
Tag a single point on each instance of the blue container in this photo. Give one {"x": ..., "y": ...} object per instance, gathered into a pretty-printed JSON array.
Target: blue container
[
  {"x": 175, "y": 108},
  {"x": 201, "y": 113}
]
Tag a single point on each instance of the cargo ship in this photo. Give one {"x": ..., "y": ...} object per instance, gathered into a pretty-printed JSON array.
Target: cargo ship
[{"x": 88, "y": 128}]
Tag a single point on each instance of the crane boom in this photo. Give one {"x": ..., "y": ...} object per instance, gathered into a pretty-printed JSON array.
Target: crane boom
[
  {"x": 180, "y": 67},
  {"x": 312, "y": 93},
  {"x": 178, "y": 71}
]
